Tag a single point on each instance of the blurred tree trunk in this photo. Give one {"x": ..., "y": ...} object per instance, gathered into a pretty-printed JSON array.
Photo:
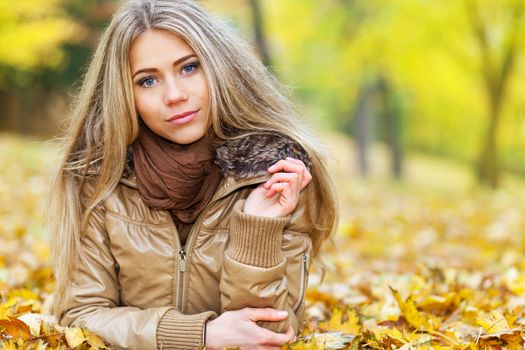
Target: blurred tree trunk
[
  {"x": 10, "y": 117},
  {"x": 260, "y": 38},
  {"x": 495, "y": 75},
  {"x": 392, "y": 126},
  {"x": 362, "y": 129},
  {"x": 32, "y": 110}
]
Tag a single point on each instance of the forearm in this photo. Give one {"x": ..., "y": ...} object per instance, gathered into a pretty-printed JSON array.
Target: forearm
[
  {"x": 122, "y": 327},
  {"x": 257, "y": 272},
  {"x": 133, "y": 328},
  {"x": 250, "y": 286}
]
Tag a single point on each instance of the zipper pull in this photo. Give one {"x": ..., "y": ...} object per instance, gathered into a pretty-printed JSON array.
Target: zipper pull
[
  {"x": 182, "y": 257},
  {"x": 305, "y": 263}
]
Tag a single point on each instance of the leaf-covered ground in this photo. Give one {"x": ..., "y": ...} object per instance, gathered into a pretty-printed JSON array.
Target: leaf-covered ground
[{"x": 409, "y": 268}]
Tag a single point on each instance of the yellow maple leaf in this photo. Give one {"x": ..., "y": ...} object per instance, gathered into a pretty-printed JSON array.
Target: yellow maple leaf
[
  {"x": 94, "y": 340},
  {"x": 336, "y": 323},
  {"x": 391, "y": 332},
  {"x": 412, "y": 315},
  {"x": 495, "y": 322},
  {"x": 511, "y": 319},
  {"x": 395, "y": 335},
  {"x": 419, "y": 339},
  {"x": 313, "y": 344},
  {"x": 74, "y": 336},
  {"x": 511, "y": 339},
  {"x": 40, "y": 345},
  {"x": 3, "y": 313},
  {"x": 9, "y": 345},
  {"x": 437, "y": 303}
]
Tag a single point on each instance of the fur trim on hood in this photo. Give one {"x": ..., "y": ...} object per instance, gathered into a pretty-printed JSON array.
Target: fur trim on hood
[
  {"x": 249, "y": 156},
  {"x": 253, "y": 155}
]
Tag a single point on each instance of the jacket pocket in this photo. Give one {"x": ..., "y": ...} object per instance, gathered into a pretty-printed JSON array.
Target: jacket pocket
[{"x": 303, "y": 283}]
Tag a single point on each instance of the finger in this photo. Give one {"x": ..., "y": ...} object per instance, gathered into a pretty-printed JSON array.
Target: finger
[
  {"x": 295, "y": 160},
  {"x": 288, "y": 166},
  {"x": 273, "y": 338},
  {"x": 290, "y": 333},
  {"x": 284, "y": 177},
  {"x": 265, "y": 314},
  {"x": 278, "y": 187},
  {"x": 307, "y": 177}
]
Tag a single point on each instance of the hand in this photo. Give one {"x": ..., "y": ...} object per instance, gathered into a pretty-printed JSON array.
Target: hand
[
  {"x": 279, "y": 196},
  {"x": 239, "y": 329}
]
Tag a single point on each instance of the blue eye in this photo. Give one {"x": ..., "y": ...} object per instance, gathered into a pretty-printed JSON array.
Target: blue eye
[
  {"x": 190, "y": 68},
  {"x": 147, "y": 82}
]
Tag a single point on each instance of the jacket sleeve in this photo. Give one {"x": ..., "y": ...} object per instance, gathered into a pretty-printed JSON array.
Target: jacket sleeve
[
  {"x": 94, "y": 299},
  {"x": 265, "y": 265}
]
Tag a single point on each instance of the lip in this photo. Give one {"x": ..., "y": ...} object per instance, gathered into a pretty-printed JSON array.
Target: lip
[{"x": 182, "y": 118}]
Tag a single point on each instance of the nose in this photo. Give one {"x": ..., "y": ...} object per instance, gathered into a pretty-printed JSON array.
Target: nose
[{"x": 175, "y": 92}]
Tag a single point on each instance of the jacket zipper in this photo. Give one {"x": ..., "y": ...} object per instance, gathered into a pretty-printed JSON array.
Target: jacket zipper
[
  {"x": 178, "y": 247},
  {"x": 183, "y": 259},
  {"x": 304, "y": 279},
  {"x": 182, "y": 269}
]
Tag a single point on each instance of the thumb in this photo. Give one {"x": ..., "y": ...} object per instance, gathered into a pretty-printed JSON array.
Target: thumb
[{"x": 266, "y": 314}]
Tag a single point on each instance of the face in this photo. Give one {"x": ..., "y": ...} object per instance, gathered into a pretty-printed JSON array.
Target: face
[{"x": 169, "y": 87}]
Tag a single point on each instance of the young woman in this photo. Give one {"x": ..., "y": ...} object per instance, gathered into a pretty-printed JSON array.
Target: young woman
[{"x": 190, "y": 199}]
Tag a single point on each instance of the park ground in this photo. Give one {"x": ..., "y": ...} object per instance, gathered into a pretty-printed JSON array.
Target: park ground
[{"x": 430, "y": 262}]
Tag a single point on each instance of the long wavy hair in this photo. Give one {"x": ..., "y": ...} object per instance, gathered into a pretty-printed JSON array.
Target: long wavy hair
[{"x": 244, "y": 96}]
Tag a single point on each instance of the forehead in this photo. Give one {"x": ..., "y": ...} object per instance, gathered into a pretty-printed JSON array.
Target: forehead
[{"x": 157, "y": 47}]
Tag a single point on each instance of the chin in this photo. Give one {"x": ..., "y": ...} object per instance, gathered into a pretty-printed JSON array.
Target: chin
[{"x": 187, "y": 137}]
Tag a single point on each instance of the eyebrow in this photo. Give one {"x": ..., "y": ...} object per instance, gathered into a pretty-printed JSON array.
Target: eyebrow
[{"x": 149, "y": 70}]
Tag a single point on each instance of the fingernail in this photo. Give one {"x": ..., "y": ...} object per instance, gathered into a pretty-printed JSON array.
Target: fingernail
[{"x": 282, "y": 313}]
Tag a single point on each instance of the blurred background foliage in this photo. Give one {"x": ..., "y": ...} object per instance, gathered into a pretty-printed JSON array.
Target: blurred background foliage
[{"x": 433, "y": 77}]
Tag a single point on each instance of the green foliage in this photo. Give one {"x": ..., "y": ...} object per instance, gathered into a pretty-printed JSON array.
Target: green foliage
[
  {"x": 31, "y": 32},
  {"x": 426, "y": 49}
]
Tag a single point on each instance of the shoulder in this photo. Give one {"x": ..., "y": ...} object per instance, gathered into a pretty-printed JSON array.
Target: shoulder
[
  {"x": 252, "y": 154},
  {"x": 113, "y": 196}
]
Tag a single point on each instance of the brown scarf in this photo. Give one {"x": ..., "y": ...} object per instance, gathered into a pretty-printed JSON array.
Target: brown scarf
[{"x": 181, "y": 178}]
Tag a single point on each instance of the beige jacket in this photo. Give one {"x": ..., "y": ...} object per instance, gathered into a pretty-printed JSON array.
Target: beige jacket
[{"x": 138, "y": 288}]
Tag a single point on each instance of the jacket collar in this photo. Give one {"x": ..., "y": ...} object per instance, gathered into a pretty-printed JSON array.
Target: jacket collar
[{"x": 243, "y": 160}]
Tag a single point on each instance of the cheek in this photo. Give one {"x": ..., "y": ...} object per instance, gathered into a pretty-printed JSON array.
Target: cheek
[
  {"x": 201, "y": 89},
  {"x": 143, "y": 104}
]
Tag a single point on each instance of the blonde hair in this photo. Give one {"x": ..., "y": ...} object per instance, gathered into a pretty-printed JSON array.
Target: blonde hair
[{"x": 244, "y": 97}]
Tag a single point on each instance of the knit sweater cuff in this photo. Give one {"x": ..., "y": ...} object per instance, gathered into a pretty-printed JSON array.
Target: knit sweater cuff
[
  {"x": 255, "y": 240},
  {"x": 177, "y": 331}
]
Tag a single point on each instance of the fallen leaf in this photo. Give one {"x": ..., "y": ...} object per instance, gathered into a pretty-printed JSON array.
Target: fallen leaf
[
  {"x": 74, "y": 336},
  {"x": 14, "y": 329},
  {"x": 345, "y": 321},
  {"x": 412, "y": 315}
]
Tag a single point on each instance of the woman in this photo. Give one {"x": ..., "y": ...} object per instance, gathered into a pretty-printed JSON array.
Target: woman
[{"x": 182, "y": 215}]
